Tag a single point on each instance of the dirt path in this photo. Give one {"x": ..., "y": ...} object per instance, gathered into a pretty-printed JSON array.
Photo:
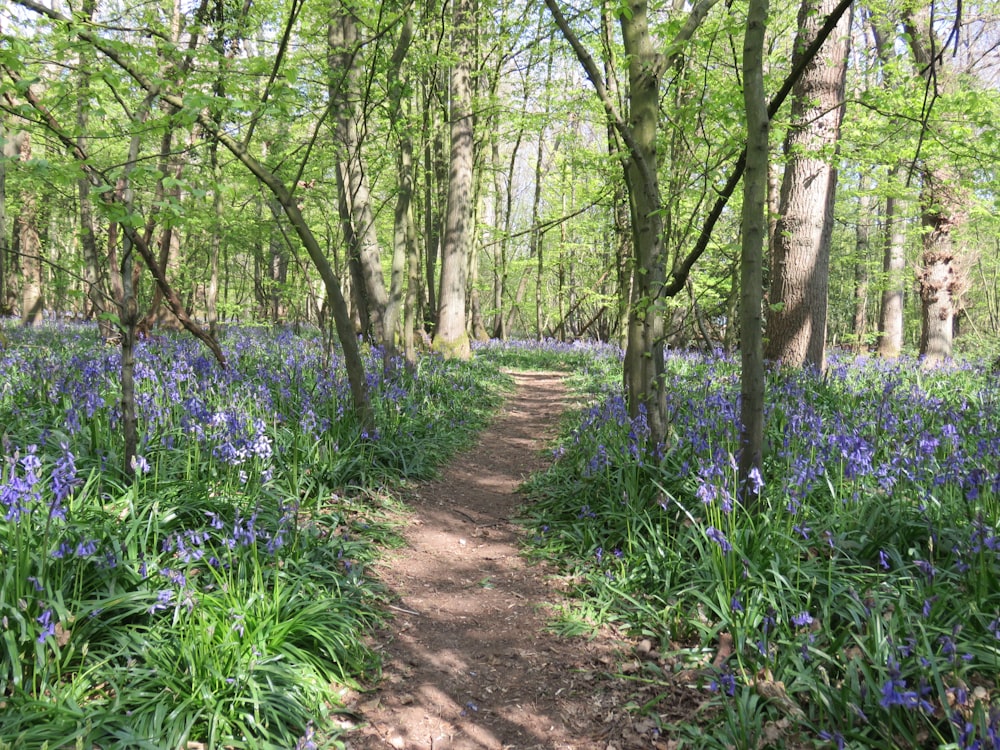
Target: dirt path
[{"x": 468, "y": 662}]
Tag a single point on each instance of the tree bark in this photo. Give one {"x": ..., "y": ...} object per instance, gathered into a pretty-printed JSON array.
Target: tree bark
[
  {"x": 862, "y": 250},
  {"x": 6, "y": 151},
  {"x": 29, "y": 245},
  {"x": 800, "y": 271},
  {"x": 93, "y": 272},
  {"x": 890, "y": 321},
  {"x": 345, "y": 91},
  {"x": 754, "y": 228},
  {"x": 941, "y": 211},
  {"x": 644, "y": 352},
  {"x": 938, "y": 276},
  {"x": 402, "y": 214},
  {"x": 451, "y": 337}
]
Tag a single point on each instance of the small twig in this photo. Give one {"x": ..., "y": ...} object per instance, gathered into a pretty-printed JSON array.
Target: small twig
[
  {"x": 496, "y": 521},
  {"x": 406, "y": 611}
]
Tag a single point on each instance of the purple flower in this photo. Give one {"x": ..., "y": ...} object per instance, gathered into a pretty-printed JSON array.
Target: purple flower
[
  {"x": 719, "y": 538},
  {"x": 140, "y": 465},
  {"x": 163, "y": 600},
  {"x": 883, "y": 559},
  {"x": 48, "y": 626},
  {"x": 62, "y": 481},
  {"x": 725, "y": 683},
  {"x": 802, "y": 619}
]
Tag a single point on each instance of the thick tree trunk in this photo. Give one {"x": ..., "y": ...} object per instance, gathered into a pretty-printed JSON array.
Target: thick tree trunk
[
  {"x": 800, "y": 271},
  {"x": 938, "y": 277},
  {"x": 450, "y": 337},
  {"x": 29, "y": 246},
  {"x": 754, "y": 227},
  {"x": 941, "y": 211}
]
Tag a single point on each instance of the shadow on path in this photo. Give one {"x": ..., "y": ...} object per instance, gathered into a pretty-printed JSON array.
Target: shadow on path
[{"x": 468, "y": 662}]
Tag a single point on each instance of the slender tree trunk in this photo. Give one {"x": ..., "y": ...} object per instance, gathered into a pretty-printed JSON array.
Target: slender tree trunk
[
  {"x": 450, "y": 337},
  {"x": 754, "y": 227},
  {"x": 345, "y": 91},
  {"x": 644, "y": 352},
  {"x": 215, "y": 243},
  {"x": 800, "y": 272},
  {"x": 93, "y": 272},
  {"x": 862, "y": 250},
  {"x": 890, "y": 321},
  {"x": 436, "y": 184},
  {"x": 404, "y": 197},
  {"x": 5, "y": 265},
  {"x": 622, "y": 236},
  {"x": 123, "y": 285}
]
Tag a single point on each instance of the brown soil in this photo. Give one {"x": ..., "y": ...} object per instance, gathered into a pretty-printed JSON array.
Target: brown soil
[{"x": 468, "y": 660}]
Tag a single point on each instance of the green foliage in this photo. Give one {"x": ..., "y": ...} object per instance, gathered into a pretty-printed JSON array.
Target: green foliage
[
  {"x": 860, "y": 594},
  {"x": 222, "y": 597}
]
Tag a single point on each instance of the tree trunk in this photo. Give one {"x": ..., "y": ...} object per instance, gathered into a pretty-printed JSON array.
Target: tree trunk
[
  {"x": 890, "y": 319},
  {"x": 938, "y": 275},
  {"x": 345, "y": 66},
  {"x": 93, "y": 272},
  {"x": 941, "y": 211},
  {"x": 214, "y": 244},
  {"x": 754, "y": 227},
  {"x": 800, "y": 271},
  {"x": 644, "y": 352},
  {"x": 862, "y": 250},
  {"x": 435, "y": 174},
  {"x": 401, "y": 216},
  {"x": 29, "y": 245},
  {"x": 5, "y": 266},
  {"x": 622, "y": 237},
  {"x": 450, "y": 337}
]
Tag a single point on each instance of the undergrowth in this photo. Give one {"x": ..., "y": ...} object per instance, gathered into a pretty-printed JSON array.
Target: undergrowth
[
  {"x": 861, "y": 594},
  {"x": 221, "y": 598}
]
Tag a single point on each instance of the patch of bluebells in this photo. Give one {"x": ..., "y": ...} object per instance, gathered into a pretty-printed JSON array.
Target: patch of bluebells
[{"x": 866, "y": 432}]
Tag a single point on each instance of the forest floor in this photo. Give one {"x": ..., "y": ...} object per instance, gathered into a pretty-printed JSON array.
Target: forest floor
[{"x": 469, "y": 659}]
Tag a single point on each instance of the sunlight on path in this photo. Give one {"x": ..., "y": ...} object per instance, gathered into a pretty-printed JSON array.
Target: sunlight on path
[{"x": 468, "y": 662}]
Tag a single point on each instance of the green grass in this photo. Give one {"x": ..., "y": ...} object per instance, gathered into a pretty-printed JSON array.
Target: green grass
[
  {"x": 866, "y": 580},
  {"x": 223, "y": 597}
]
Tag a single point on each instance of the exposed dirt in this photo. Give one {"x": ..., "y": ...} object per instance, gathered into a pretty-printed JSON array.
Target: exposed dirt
[{"x": 468, "y": 659}]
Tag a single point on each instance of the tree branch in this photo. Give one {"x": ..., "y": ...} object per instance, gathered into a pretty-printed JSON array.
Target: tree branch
[
  {"x": 109, "y": 197},
  {"x": 678, "y": 276}
]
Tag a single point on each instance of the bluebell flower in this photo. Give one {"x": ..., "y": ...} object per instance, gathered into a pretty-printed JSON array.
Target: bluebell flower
[
  {"x": 719, "y": 538},
  {"x": 48, "y": 626},
  {"x": 140, "y": 465},
  {"x": 802, "y": 619},
  {"x": 835, "y": 737},
  {"x": 725, "y": 683},
  {"x": 164, "y": 599}
]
